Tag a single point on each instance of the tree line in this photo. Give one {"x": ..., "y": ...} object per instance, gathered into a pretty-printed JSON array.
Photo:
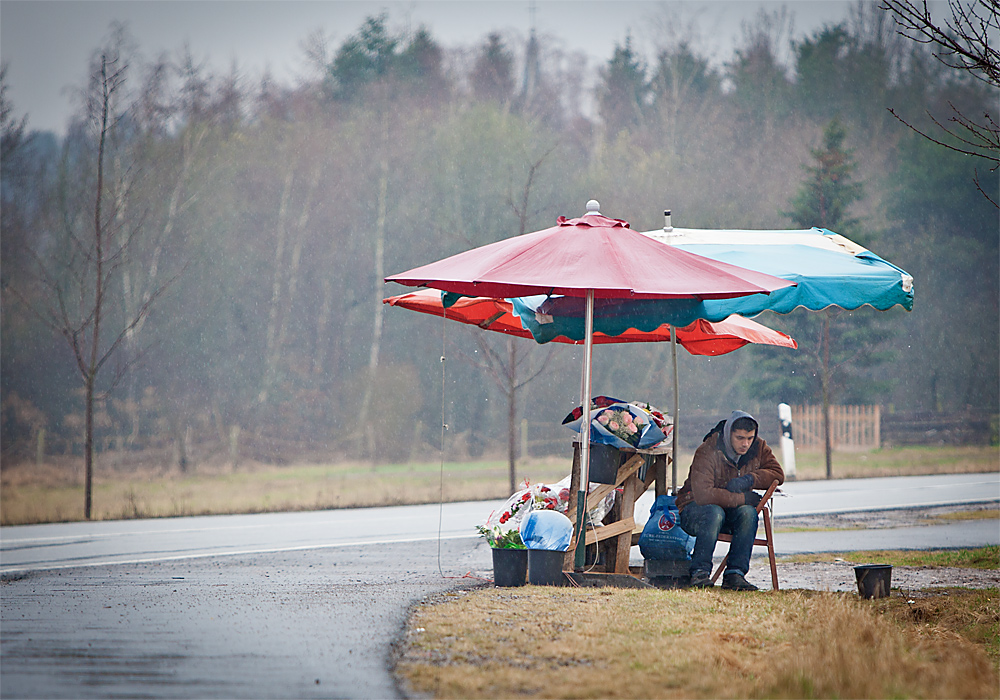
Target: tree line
[{"x": 247, "y": 226}]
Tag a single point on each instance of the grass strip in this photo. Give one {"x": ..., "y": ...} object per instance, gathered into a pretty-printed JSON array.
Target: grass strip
[
  {"x": 538, "y": 642},
  {"x": 977, "y": 558}
]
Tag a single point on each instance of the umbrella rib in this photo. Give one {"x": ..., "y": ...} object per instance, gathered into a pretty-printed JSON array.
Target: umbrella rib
[{"x": 491, "y": 320}]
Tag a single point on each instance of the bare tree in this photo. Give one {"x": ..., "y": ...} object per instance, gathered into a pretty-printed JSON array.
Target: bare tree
[
  {"x": 510, "y": 374},
  {"x": 381, "y": 207},
  {"x": 961, "y": 42},
  {"x": 79, "y": 280},
  {"x": 155, "y": 108}
]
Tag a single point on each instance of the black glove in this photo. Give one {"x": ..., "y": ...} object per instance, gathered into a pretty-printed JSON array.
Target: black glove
[
  {"x": 740, "y": 483},
  {"x": 752, "y": 498}
]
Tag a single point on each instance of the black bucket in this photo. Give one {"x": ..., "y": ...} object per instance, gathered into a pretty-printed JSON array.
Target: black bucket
[
  {"x": 604, "y": 463},
  {"x": 510, "y": 567},
  {"x": 545, "y": 567},
  {"x": 873, "y": 580}
]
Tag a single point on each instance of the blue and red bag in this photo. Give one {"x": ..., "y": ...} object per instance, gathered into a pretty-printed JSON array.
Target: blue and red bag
[{"x": 663, "y": 537}]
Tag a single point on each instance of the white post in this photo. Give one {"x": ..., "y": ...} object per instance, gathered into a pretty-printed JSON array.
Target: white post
[{"x": 787, "y": 443}]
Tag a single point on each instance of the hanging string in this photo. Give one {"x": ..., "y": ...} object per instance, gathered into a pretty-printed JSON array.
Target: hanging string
[{"x": 444, "y": 427}]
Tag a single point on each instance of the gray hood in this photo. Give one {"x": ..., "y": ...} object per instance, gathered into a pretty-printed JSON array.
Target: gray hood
[{"x": 727, "y": 443}]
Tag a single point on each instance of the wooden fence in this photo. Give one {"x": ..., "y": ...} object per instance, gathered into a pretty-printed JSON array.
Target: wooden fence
[
  {"x": 851, "y": 427},
  {"x": 969, "y": 427}
]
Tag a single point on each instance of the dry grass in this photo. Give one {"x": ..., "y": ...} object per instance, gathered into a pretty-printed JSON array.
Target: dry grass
[
  {"x": 986, "y": 513},
  {"x": 900, "y": 461},
  {"x": 582, "y": 643},
  {"x": 978, "y": 558},
  {"x": 53, "y": 492}
]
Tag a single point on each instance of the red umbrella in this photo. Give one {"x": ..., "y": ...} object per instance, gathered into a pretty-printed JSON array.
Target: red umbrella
[
  {"x": 699, "y": 338},
  {"x": 593, "y": 256}
]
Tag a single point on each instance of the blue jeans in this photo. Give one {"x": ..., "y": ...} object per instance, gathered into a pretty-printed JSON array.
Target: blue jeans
[{"x": 706, "y": 522}]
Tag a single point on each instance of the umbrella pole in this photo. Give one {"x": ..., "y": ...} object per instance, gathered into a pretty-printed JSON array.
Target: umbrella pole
[
  {"x": 580, "y": 556},
  {"x": 677, "y": 403}
]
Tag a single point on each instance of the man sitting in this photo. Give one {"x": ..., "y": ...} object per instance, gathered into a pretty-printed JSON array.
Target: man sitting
[{"x": 718, "y": 497}]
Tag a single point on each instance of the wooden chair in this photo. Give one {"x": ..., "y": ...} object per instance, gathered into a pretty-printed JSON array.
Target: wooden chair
[{"x": 763, "y": 509}]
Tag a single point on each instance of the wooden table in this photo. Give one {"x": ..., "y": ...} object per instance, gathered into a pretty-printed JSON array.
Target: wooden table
[{"x": 619, "y": 523}]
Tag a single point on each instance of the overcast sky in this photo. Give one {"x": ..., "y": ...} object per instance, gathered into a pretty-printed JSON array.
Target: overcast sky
[{"x": 46, "y": 43}]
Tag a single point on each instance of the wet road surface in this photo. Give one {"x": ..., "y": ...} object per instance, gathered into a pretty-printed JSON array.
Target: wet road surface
[{"x": 306, "y": 624}]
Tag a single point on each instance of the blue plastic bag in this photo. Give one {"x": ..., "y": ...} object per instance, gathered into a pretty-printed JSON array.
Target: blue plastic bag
[
  {"x": 546, "y": 529},
  {"x": 662, "y": 537}
]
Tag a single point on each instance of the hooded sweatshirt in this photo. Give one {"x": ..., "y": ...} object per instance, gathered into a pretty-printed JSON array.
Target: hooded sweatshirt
[{"x": 715, "y": 463}]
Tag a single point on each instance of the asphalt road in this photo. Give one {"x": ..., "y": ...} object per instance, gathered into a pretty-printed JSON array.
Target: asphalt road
[
  {"x": 35, "y": 547},
  {"x": 303, "y": 604},
  {"x": 315, "y": 623}
]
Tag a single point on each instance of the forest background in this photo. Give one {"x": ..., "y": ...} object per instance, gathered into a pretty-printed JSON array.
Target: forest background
[{"x": 256, "y": 221}]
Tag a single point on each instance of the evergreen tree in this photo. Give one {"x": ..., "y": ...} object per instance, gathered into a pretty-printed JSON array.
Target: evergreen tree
[
  {"x": 828, "y": 190},
  {"x": 946, "y": 236},
  {"x": 819, "y": 64},
  {"x": 838, "y": 349},
  {"x": 362, "y": 59},
  {"x": 622, "y": 92},
  {"x": 420, "y": 65},
  {"x": 760, "y": 86},
  {"x": 683, "y": 85},
  {"x": 493, "y": 74}
]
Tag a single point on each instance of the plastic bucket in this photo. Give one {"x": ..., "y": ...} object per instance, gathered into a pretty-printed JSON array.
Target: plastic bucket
[
  {"x": 604, "y": 463},
  {"x": 510, "y": 567},
  {"x": 873, "y": 580},
  {"x": 545, "y": 567}
]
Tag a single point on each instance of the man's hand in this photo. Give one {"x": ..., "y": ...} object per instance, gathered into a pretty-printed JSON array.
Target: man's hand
[
  {"x": 752, "y": 498},
  {"x": 740, "y": 483}
]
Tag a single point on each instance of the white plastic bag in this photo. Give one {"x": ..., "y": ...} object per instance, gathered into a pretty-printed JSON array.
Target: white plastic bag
[{"x": 546, "y": 529}]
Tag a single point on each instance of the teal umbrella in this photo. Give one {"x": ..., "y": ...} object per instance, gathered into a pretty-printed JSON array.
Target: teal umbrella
[{"x": 828, "y": 269}]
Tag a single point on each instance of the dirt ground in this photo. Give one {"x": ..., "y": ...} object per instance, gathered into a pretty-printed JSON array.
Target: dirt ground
[
  {"x": 877, "y": 519},
  {"x": 839, "y": 575}
]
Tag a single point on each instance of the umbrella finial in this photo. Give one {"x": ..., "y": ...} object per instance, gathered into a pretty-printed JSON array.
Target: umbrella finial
[
  {"x": 593, "y": 207},
  {"x": 667, "y": 226}
]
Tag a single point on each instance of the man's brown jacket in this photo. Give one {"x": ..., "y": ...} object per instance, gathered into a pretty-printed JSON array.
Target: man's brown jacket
[{"x": 711, "y": 471}]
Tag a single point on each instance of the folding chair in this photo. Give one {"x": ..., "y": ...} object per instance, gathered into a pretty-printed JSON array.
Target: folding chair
[{"x": 763, "y": 508}]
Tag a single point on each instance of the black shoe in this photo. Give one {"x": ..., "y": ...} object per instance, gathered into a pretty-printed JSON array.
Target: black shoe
[
  {"x": 736, "y": 582},
  {"x": 701, "y": 579}
]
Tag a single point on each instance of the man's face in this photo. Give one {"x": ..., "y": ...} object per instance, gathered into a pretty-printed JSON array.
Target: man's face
[{"x": 741, "y": 440}]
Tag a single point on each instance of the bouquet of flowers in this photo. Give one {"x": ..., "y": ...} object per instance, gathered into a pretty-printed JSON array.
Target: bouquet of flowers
[
  {"x": 531, "y": 497},
  {"x": 500, "y": 539},
  {"x": 622, "y": 424},
  {"x": 537, "y": 497},
  {"x": 625, "y": 425},
  {"x": 659, "y": 419}
]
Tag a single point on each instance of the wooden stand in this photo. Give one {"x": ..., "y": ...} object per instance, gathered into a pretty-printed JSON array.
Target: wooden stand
[{"x": 618, "y": 527}]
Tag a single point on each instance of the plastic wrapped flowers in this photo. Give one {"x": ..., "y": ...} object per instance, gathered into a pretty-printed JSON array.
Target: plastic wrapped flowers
[
  {"x": 538, "y": 497},
  {"x": 620, "y": 424}
]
